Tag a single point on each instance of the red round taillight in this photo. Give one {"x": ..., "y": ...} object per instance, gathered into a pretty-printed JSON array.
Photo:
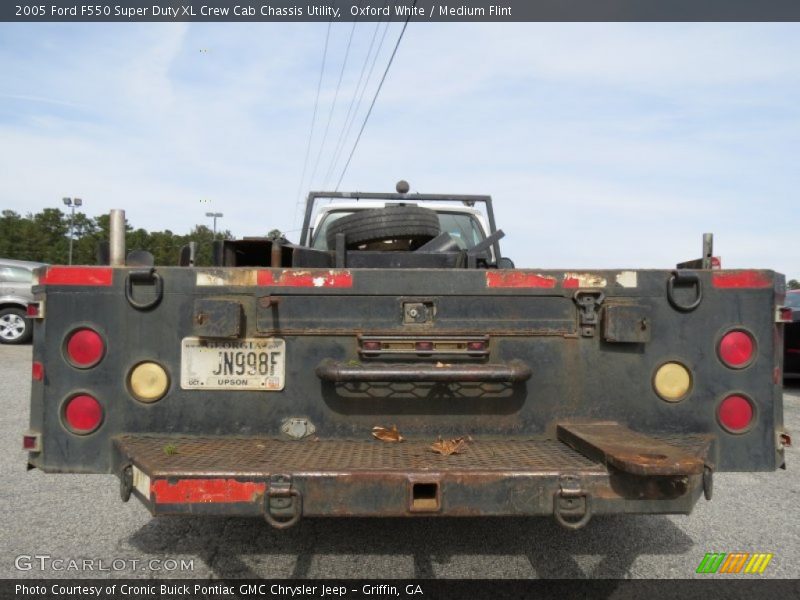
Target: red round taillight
[
  {"x": 83, "y": 414},
  {"x": 85, "y": 348},
  {"x": 735, "y": 413},
  {"x": 737, "y": 349}
]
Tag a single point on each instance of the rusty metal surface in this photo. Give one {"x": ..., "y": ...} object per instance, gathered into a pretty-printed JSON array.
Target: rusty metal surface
[
  {"x": 386, "y": 314},
  {"x": 697, "y": 444},
  {"x": 222, "y": 476},
  {"x": 574, "y": 377},
  {"x": 255, "y": 456},
  {"x": 616, "y": 445},
  {"x": 514, "y": 371},
  {"x": 214, "y": 317},
  {"x": 627, "y": 323}
]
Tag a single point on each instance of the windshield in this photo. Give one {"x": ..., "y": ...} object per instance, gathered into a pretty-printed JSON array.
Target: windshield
[{"x": 465, "y": 228}]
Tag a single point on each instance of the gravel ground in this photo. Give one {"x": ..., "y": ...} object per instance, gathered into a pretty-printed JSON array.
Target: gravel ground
[{"x": 81, "y": 517}]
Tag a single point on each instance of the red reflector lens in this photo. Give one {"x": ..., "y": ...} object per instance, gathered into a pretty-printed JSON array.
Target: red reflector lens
[
  {"x": 33, "y": 310},
  {"x": 29, "y": 442},
  {"x": 37, "y": 370},
  {"x": 424, "y": 346},
  {"x": 476, "y": 346},
  {"x": 371, "y": 346},
  {"x": 85, "y": 348},
  {"x": 83, "y": 414},
  {"x": 103, "y": 276},
  {"x": 735, "y": 413},
  {"x": 736, "y": 349}
]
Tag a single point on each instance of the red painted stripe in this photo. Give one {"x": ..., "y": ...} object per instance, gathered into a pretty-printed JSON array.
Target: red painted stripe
[
  {"x": 306, "y": 278},
  {"x": 193, "y": 491},
  {"x": 98, "y": 276},
  {"x": 518, "y": 279},
  {"x": 741, "y": 279},
  {"x": 571, "y": 282}
]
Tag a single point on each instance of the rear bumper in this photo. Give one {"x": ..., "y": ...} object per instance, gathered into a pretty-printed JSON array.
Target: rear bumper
[{"x": 284, "y": 480}]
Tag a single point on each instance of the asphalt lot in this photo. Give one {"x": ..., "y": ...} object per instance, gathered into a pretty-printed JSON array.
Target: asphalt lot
[{"x": 73, "y": 517}]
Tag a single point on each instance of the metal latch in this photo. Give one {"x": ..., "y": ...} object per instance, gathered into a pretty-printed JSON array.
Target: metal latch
[
  {"x": 572, "y": 506},
  {"x": 283, "y": 503},
  {"x": 144, "y": 276},
  {"x": 589, "y": 302},
  {"x": 418, "y": 312}
]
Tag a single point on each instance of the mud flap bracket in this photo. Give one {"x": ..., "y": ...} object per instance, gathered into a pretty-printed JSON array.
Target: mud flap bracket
[
  {"x": 126, "y": 483},
  {"x": 283, "y": 504},
  {"x": 572, "y": 507},
  {"x": 708, "y": 482}
]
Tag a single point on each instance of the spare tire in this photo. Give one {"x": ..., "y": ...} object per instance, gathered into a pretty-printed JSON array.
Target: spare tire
[{"x": 408, "y": 223}]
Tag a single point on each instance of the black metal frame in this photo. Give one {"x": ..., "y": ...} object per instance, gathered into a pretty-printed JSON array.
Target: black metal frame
[{"x": 466, "y": 199}]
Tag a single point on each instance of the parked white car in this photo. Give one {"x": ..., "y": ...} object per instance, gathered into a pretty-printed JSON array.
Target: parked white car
[{"x": 16, "y": 282}]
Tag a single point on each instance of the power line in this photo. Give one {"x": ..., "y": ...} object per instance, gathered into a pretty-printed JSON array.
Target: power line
[
  {"x": 374, "y": 98},
  {"x": 313, "y": 121},
  {"x": 350, "y": 117},
  {"x": 335, "y": 96}
]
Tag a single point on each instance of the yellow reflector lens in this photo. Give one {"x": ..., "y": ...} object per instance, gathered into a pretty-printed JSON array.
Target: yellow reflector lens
[
  {"x": 672, "y": 381},
  {"x": 149, "y": 382}
]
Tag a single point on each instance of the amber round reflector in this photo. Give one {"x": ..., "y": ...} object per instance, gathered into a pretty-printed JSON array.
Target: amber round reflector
[
  {"x": 735, "y": 413},
  {"x": 148, "y": 381},
  {"x": 736, "y": 349},
  {"x": 85, "y": 348},
  {"x": 672, "y": 381},
  {"x": 83, "y": 414}
]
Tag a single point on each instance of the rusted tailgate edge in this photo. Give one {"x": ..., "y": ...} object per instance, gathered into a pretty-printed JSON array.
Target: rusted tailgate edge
[
  {"x": 614, "y": 444},
  {"x": 243, "y": 476}
]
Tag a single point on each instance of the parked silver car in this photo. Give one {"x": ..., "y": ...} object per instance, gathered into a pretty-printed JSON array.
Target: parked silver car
[{"x": 16, "y": 280}]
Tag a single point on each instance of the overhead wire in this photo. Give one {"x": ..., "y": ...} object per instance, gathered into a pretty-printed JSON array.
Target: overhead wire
[
  {"x": 350, "y": 117},
  {"x": 374, "y": 98},
  {"x": 335, "y": 97},
  {"x": 313, "y": 122}
]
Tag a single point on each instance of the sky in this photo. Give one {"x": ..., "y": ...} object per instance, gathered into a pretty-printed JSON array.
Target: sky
[{"x": 604, "y": 145}]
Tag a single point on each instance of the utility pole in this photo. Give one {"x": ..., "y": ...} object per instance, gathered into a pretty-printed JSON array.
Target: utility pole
[
  {"x": 72, "y": 203},
  {"x": 215, "y": 216}
]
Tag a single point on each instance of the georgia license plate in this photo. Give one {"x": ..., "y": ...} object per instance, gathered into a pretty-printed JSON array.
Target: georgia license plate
[{"x": 248, "y": 364}]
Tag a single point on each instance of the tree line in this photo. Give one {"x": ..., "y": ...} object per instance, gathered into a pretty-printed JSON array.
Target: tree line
[{"x": 44, "y": 237}]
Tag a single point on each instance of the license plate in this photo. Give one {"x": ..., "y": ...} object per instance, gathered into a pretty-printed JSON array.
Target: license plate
[{"x": 248, "y": 364}]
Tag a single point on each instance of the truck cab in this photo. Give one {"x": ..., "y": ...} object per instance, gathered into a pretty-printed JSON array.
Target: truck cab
[{"x": 467, "y": 225}]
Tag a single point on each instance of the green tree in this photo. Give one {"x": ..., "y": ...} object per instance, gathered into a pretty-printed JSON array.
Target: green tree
[
  {"x": 793, "y": 284},
  {"x": 44, "y": 237},
  {"x": 50, "y": 236}
]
